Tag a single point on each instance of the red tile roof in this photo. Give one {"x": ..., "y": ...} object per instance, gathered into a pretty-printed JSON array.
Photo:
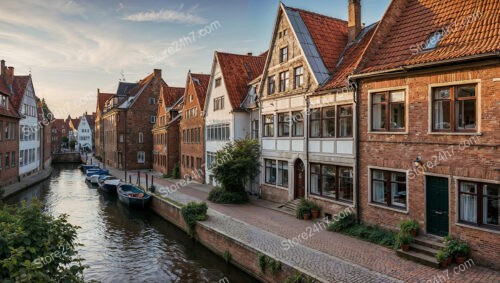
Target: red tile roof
[
  {"x": 471, "y": 28},
  {"x": 201, "y": 87},
  {"x": 170, "y": 95},
  {"x": 76, "y": 122},
  {"x": 59, "y": 124},
  {"x": 328, "y": 34},
  {"x": 237, "y": 71},
  {"x": 19, "y": 87},
  {"x": 90, "y": 120},
  {"x": 102, "y": 98},
  {"x": 350, "y": 59}
]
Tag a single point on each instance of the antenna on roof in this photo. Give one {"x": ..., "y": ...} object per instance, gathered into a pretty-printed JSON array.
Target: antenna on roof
[{"x": 122, "y": 79}]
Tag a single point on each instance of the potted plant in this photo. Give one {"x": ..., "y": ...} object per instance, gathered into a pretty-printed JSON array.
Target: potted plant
[
  {"x": 461, "y": 252},
  {"x": 404, "y": 240},
  {"x": 409, "y": 226},
  {"x": 451, "y": 246},
  {"x": 152, "y": 188},
  {"x": 303, "y": 208},
  {"x": 315, "y": 210},
  {"x": 442, "y": 258}
]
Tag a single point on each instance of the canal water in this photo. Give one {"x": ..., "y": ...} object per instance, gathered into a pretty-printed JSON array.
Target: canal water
[{"x": 124, "y": 245}]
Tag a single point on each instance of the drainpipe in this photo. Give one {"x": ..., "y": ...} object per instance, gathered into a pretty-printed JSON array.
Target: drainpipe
[
  {"x": 124, "y": 155},
  {"x": 357, "y": 97},
  {"x": 305, "y": 120}
]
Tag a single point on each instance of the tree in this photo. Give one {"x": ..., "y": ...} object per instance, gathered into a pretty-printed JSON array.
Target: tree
[
  {"x": 236, "y": 164},
  {"x": 37, "y": 247}
]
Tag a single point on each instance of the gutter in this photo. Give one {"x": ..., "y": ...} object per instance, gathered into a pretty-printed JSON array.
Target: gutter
[
  {"x": 357, "y": 97},
  {"x": 404, "y": 69}
]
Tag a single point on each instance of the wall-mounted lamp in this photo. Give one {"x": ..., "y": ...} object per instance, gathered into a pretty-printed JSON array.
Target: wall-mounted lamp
[{"x": 418, "y": 161}]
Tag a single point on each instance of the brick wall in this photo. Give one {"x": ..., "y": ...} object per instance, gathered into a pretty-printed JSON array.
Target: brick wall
[
  {"x": 480, "y": 160},
  {"x": 9, "y": 174}
]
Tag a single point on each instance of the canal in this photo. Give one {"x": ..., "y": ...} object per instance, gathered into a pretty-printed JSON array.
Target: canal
[{"x": 123, "y": 245}]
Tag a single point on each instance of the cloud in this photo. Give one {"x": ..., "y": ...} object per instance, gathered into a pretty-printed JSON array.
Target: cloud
[{"x": 168, "y": 16}]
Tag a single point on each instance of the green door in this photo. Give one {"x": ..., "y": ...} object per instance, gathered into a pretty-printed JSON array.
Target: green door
[{"x": 437, "y": 205}]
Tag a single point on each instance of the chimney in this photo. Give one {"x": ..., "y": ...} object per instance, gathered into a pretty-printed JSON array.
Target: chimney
[
  {"x": 354, "y": 21},
  {"x": 249, "y": 53},
  {"x": 98, "y": 91},
  {"x": 157, "y": 73},
  {"x": 2, "y": 71}
]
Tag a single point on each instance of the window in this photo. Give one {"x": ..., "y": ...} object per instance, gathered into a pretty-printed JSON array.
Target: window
[
  {"x": 389, "y": 188},
  {"x": 285, "y": 32},
  {"x": 152, "y": 100},
  {"x": 298, "y": 76},
  {"x": 388, "y": 111},
  {"x": 219, "y": 103},
  {"x": 315, "y": 121},
  {"x": 271, "y": 85},
  {"x": 433, "y": 40},
  {"x": 141, "y": 137},
  {"x": 255, "y": 129},
  {"x": 211, "y": 156},
  {"x": 190, "y": 98},
  {"x": 479, "y": 204},
  {"x": 268, "y": 125},
  {"x": 121, "y": 138},
  {"x": 3, "y": 101},
  {"x": 270, "y": 177},
  {"x": 345, "y": 121},
  {"x": 328, "y": 122},
  {"x": 283, "y": 125},
  {"x": 217, "y": 82},
  {"x": 218, "y": 132},
  {"x": 13, "y": 159},
  {"x": 1, "y": 160},
  {"x": 282, "y": 174},
  {"x": 7, "y": 160},
  {"x": 141, "y": 157},
  {"x": 1, "y": 130},
  {"x": 152, "y": 119},
  {"x": 284, "y": 78},
  {"x": 331, "y": 181},
  {"x": 283, "y": 54},
  {"x": 297, "y": 124},
  {"x": 454, "y": 108}
]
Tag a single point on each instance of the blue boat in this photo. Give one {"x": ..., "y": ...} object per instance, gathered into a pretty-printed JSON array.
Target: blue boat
[
  {"x": 91, "y": 172},
  {"x": 108, "y": 184},
  {"x": 132, "y": 195}
]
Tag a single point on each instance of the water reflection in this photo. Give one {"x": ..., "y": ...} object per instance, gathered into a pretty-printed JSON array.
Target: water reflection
[{"x": 123, "y": 245}]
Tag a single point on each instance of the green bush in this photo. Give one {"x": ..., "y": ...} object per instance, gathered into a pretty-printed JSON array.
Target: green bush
[
  {"x": 403, "y": 238},
  {"x": 342, "y": 224},
  {"x": 227, "y": 256},
  {"x": 372, "y": 234},
  {"x": 441, "y": 256},
  {"x": 176, "y": 172},
  {"x": 262, "y": 259},
  {"x": 274, "y": 266},
  {"x": 193, "y": 212},
  {"x": 409, "y": 225},
  {"x": 37, "y": 247},
  {"x": 456, "y": 248},
  {"x": 219, "y": 195},
  {"x": 304, "y": 207}
]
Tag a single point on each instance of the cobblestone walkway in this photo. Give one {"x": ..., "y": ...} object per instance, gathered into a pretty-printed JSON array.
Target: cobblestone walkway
[{"x": 332, "y": 256}]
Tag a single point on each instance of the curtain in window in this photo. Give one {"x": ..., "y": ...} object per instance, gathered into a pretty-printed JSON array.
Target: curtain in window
[
  {"x": 468, "y": 203},
  {"x": 315, "y": 179},
  {"x": 378, "y": 186}
]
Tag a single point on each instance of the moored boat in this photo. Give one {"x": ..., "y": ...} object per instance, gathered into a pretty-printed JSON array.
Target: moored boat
[
  {"x": 84, "y": 168},
  {"x": 109, "y": 185},
  {"x": 132, "y": 195}
]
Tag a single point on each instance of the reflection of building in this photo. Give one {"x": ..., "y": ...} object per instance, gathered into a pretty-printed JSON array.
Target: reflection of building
[
  {"x": 166, "y": 129},
  {"x": 9, "y": 123},
  {"x": 99, "y": 123},
  {"x": 225, "y": 119},
  {"x": 129, "y": 117},
  {"x": 192, "y": 126}
]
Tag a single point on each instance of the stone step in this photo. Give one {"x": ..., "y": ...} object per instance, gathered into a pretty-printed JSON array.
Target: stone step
[
  {"x": 424, "y": 249},
  {"x": 419, "y": 257},
  {"x": 429, "y": 242}
]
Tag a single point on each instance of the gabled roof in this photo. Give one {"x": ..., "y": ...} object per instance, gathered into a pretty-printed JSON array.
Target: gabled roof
[
  {"x": 470, "y": 27},
  {"x": 90, "y": 120},
  {"x": 10, "y": 111},
  {"x": 237, "y": 71},
  {"x": 102, "y": 98},
  {"x": 350, "y": 59},
  {"x": 76, "y": 122},
  {"x": 59, "y": 124},
  {"x": 19, "y": 87},
  {"x": 124, "y": 88},
  {"x": 136, "y": 91},
  {"x": 321, "y": 38},
  {"x": 170, "y": 95},
  {"x": 200, "y": 82}
]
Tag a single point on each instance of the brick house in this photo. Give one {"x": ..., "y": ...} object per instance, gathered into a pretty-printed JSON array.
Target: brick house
[
  {"x": 59, "y": 130},
  {"x": 99, "y": 128},
  {"x": 307, "y": 108},
  {"x": 45, "y": 117},
  {"x": 429, "y": 127},
  {"x": 166, "y": 135},
  {"x": 128, "y": 120},
  {"x": 192, "y": 127},
  {"x": 225, "y": 119},
  {"x": 9, "y": 125}
]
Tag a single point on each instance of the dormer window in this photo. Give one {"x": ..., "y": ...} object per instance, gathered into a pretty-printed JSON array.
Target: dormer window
[
  {"x": 433, "y": 40},
  {"x": 3, "y": 101}
]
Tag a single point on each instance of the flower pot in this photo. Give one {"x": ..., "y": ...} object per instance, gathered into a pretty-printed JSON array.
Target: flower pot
[
  {"x": 405, "y": 247},
  {"x": 315, "y": 213},
  {"x": 449, "y": 260},
  {"x": 460, "y": 259},
  {"x": 443, "y": 264},
  {"x": 413, "y": 233},
  {"x": 306, "y": 216}
]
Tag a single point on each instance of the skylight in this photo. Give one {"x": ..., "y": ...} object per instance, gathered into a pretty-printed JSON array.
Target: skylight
[{"x": 433, "y": 40}]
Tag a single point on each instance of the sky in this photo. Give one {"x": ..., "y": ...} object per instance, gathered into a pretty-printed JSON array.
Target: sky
[{"x": 73, "y": 47}]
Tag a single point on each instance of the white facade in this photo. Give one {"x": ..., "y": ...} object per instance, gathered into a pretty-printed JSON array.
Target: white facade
[
  {"x": 84, "y": 135},
  {"x": 221, "y": 123},
  {"x": 29, "y": 133}
]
